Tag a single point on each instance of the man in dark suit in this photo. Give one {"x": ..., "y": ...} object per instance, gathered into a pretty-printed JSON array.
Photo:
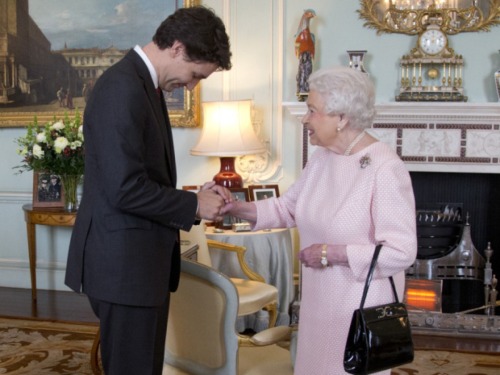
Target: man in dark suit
[{"x": 124, "y": 252}]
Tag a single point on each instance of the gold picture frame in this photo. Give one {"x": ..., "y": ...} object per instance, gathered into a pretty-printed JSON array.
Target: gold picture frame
[
  {"x": 188, "y": 116},
  {"x": 38, "y": 97}
]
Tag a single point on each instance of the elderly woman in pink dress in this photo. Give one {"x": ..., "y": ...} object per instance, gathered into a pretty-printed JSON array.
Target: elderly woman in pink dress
[{"x": 354, "y": 193}]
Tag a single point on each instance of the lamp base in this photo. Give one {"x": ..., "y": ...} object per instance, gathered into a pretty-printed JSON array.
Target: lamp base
[{"x": 227, "y": 175}]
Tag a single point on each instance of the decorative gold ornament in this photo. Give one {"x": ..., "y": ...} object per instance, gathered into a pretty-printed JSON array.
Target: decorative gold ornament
[
  {"x": 432, "y": 73},
  {"x": 431, "y": 59},
  {"x": 411, "y": 17}
]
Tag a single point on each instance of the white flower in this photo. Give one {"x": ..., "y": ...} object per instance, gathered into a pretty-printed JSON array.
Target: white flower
[
  {"x": 38, "y": 152},
  {"x": 74, "y": 145},
  {"x": 60, "y": 144},
  {"x": 80, "y": 132},
  {"x": 41, "y": 138},
  {"x": 57, "y": 125}
]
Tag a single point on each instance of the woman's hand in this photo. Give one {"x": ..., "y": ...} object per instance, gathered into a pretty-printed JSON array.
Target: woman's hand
[
  {"x": 311, "y": 256},
  {"x": 211, "y": 201},
  {"x": 243, "y": 210}
]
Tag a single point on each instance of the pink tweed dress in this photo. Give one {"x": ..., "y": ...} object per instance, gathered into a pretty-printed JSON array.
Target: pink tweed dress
[{"x": 336, "y": 201}]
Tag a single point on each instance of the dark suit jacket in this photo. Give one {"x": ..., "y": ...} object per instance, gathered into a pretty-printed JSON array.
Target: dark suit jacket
[{"x": 124, "y": 246}]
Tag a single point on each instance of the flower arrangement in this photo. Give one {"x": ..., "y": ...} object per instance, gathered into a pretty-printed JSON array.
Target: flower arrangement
[{"x": 56, "y": 147}]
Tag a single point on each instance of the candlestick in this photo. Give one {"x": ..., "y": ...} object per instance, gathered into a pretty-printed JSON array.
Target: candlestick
[{"x": 443, "y": 80}]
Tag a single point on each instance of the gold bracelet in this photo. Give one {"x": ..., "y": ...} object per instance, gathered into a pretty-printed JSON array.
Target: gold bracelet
[{"x": 324, "y": 260}]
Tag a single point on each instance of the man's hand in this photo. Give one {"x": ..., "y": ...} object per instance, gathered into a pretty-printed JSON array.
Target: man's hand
[
  {"x": 221, "y": 190},
  {"x": 211, "y": 199}
]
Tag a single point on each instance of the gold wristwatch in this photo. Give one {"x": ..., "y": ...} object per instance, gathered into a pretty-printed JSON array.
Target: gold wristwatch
[{"x": 324, "y": 261}]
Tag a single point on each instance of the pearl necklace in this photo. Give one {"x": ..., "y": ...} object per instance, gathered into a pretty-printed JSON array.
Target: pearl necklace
[{"x": 349, "y": 148}]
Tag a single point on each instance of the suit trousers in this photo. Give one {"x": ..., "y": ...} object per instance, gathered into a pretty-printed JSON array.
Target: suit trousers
[{"x": 132, "y": 337}]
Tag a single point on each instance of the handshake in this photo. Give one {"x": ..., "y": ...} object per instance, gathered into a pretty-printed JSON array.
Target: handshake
[{"x": 215, "y": 201}]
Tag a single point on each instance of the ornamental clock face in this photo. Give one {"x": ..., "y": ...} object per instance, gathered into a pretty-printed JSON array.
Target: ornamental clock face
[{"x": 432, "y": 41}]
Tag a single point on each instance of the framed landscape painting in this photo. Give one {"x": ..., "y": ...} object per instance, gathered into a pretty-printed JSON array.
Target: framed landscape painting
[{"x": 51, "y": 70}]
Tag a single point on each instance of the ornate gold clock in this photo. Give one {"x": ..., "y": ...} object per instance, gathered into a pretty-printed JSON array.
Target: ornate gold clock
[
  {"x": 432, "y": 41},
  {"x": 432, "y": 71}
]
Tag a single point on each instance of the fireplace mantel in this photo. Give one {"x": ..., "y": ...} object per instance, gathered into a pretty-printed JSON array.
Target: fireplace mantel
[{"x": 435, "y": 137}]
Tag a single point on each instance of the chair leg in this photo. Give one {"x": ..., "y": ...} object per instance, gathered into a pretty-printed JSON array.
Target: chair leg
[
  {"x": 272, "y": 309},
  {"x": 94, "y": 354}
]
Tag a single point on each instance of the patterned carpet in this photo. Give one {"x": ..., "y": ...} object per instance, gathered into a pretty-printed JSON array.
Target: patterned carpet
[
  {"x": 431, "y": 362},
  {"x": 29, "y": 347},
  {"x": 42, "y": 347}
]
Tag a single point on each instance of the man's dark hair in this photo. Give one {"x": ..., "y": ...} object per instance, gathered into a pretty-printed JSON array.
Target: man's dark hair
[{"x": 202, "y": 33}]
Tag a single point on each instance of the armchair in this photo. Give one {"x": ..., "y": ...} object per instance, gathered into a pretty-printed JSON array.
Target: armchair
[
  {"x": 254, "y": 293},
  {"x": 201, "y": 331}
]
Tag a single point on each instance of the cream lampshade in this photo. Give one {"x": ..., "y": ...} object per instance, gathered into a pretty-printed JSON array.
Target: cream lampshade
[{"x": 227, "y": 132}]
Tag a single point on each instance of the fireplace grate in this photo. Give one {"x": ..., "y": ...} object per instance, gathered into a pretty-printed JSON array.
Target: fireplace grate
[{"x": 445, "y": 248}]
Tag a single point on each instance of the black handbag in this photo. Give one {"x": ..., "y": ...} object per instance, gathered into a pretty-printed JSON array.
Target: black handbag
[{"x": 379, "y": 337}]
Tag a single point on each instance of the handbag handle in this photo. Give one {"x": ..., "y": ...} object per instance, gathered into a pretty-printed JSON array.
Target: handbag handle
[{"x": 370, "y": 275}]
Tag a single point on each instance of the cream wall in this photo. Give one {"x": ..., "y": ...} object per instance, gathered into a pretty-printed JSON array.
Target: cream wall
[{"x": 262, "y": 36}]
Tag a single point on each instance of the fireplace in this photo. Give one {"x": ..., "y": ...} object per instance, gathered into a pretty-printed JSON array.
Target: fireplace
[
  {"x": 452, "y": 151},
  {"x": 478, "y": 195}
]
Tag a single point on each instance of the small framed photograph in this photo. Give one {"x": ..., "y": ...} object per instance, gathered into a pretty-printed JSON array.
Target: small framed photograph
[
  {"x": 47, "y": 190},
  {"x": 239, "y": 194},
  {"x": 260, "y": 192},
  {"x": 193, "y": 188}
]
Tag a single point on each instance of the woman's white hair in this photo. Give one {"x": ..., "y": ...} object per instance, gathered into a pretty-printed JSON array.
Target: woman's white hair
[{"x": 346, "y": 91}]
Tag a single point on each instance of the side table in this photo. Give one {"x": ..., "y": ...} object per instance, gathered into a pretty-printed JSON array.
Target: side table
[
  {"x": 270, "y": 254},
  {"x": 60, "y": 218},
  {"x": 57, "y": 217}
]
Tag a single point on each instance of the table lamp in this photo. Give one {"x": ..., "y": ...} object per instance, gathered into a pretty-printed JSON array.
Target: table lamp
[{"x": 227, "y": 132}]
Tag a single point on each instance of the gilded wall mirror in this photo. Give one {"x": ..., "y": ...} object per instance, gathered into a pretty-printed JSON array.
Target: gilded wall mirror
[{"x": 411, "y": 16}]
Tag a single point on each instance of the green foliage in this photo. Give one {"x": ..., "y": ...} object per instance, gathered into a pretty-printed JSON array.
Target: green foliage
[{"x": 56, "y": 147}]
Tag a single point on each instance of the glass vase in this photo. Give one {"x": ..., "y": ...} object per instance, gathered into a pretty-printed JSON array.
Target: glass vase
[{"x": 70, "y": 185}]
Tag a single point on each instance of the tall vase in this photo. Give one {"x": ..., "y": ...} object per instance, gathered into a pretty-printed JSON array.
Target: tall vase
[{"x": 70, "y": 184}]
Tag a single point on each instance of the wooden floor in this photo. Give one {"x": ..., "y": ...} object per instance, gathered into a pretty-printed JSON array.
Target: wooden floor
[
  {"x": 71, "y": 307},
  {"x": 50, "y": 305}
]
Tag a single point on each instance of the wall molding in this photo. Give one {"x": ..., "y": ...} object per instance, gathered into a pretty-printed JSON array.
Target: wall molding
[
  {"x": 16, "y": 274},
  {"x": 12, "y": 197},
  {"x": 435, "y": 137}
]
